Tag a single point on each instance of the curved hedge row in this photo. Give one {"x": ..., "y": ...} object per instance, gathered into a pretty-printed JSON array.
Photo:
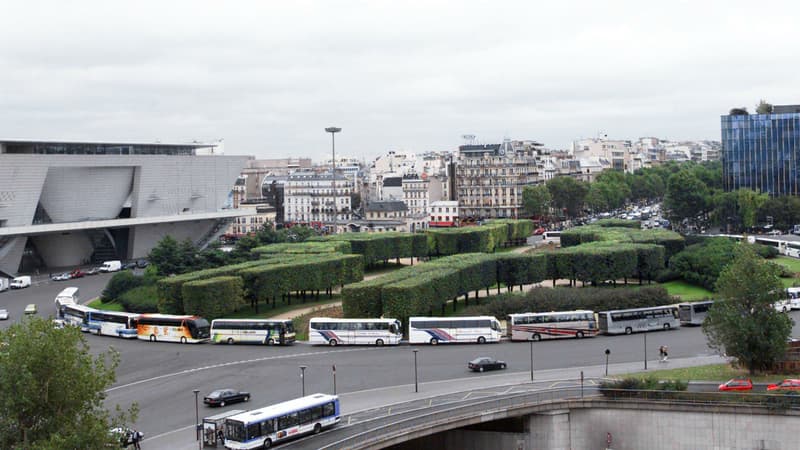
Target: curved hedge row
[
  {"x": 598, "y": 262},
  {"x": 377, "y": 247},
  {"x": 310, "y": 247},
  {"x": 671, "y": 241},
  {"x": 517, "y": 229},
  {"x": 213, "y": 297},
  {"x": 481, "y": 239}
]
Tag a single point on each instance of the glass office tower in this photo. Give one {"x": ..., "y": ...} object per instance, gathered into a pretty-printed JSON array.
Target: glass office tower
[{"x": 762, "y": 152}]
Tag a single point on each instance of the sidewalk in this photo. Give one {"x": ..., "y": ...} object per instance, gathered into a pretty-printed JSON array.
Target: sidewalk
[{"x": 354, "y": 402}]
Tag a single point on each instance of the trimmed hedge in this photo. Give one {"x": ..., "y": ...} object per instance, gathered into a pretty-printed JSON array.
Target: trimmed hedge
[
  {"x": 480, "y": 239},
  {"x": 671, "y": 241},
  {"x": 378, "y": 247},
  {"x": 310, "y": 247},
  {"x": 618, "y": 223},
  {"x": 213, "y": 297},
  {"x": 142, "y": 299}
]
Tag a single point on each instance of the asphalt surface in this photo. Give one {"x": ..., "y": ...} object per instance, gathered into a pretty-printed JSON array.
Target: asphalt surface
[{"x": 160, "y": 376}]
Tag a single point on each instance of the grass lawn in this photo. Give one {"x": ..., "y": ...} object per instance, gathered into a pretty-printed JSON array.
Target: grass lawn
[
  {"x": 713, "y": 372},
  {"x": 792, "y": 264},
  {"x": 686, "y": 291},
  {"x": 112, "y": 306}
]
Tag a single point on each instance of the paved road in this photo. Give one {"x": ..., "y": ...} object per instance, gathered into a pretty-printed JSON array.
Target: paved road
[{"x": 161, "y": 376}]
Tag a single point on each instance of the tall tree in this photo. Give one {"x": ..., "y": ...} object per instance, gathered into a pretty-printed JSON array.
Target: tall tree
[
  {"x": 687, "y": 195},
  {"x": 166, "y": 257},
  {"x": 749, "y": 202},
  {"x": 743, "y": 323},
  {"x": 763, "y": 107},
  {"x": 536, "y": 200},
  {"x": 568, "y": 194},
  {"x": 52, "y": 389}
]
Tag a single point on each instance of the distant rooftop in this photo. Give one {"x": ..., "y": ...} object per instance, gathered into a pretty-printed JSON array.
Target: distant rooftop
[
  {"x": 43, "y": 147},
  {"x": 785, "y": 109}
]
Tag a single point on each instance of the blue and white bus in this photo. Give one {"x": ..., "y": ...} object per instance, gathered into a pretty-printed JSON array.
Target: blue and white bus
[
  {"x": 252, "y": 331},
  {"x": 75, "y": 315},
  {"x": 333, "y": 331},
  {"x": 449, "y": 330},
  {"x": 112, "y": 323},
  {"x": 632, "y": 320},
  {"x": 265, "y": 427}
]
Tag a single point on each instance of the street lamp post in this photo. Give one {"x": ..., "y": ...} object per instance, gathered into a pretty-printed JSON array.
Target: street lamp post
[
  {"x": 303, "y": 380},
  {"x": 645, "y": 350},
  {"x": 197, "y": 419},
  {"x": 334, "y": 379},
  {"x": 531, "y": 360},
  {"x": 608, "y": 352},
  {"x": 333, "y": 131},
  {"x": 416, "y": 383}
]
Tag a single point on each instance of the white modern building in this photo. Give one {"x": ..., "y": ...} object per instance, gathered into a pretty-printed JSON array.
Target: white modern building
[
  {"x": 67, "y": 203},
  {"x": 444, "y": 213}
]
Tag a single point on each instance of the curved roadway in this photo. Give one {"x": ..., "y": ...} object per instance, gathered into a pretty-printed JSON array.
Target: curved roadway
[{"x": 161, "y": 376}]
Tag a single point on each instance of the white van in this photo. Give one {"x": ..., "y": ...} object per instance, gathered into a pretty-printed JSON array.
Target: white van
[
  {"x": 111, "y": 266},
  {"x": 3, "y": 284},
  {"x": 21, "y": 282},
  {"x": 68, "y": 296}
]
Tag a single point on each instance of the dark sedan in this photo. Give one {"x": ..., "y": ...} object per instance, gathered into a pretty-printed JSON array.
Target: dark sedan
[
  {"x": 485, "y": 363},
  {"x": 222, "y": 397}
]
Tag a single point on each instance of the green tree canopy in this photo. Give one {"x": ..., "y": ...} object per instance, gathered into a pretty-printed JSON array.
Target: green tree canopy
[
  {"x": 536, "y": 200},
  {"x": 687, "y": 195},
  {"x": 763, "y": 107},
  {"x": 52, "y": 389},
  {"x": 568, "y": 194},
  {"x": 743, "y": 323}
]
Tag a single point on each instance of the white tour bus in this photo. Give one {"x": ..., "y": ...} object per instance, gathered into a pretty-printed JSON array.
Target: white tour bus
[
  {"x": 551, "y": 325},
  {"x": 638, "y": 319},
  {"x": 68, "y": 295},
  {"x": 265, "y": 427},
  {"x": 253, "y": 331},
  {"x": 112, "y": 323},
  {"x": 166, "y": 327},
  {"x": 793, "y": 294},
  {"x": 327, "y": 331},
  {"x": 435, "y": 330},
  {"x": 694, "y": 313},
  {"x": 75, "y": 315}
]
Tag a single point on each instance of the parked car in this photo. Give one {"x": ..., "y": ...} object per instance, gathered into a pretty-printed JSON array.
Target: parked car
[
  {"x": 142, "y": 263},
  {"x": 737, "y": 384},
  {"x": 774, "y": 232},
  {"x": 111, "y": 266},
  {"x": 31, "y": 309},
  {"x": 222, "y": 397},
  {"x": 60, "y": 276},
  {"x": 21, "y": 282},
  {"x": 129, "y": 265},
  {"x": 485, "y": 363},
  {"x": 93, "y": 271},
  {"x": 3, "y": 314},
  {"x": 77, "y": 273},
  {"x": 789, "y": 384},
  {"x": 538, "y": 231}
]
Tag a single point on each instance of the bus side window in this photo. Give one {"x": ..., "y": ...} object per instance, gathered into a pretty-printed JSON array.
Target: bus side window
[{"x": 328, "y": 409}]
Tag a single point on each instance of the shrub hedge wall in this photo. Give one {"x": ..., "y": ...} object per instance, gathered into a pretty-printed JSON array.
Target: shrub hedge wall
[
  {"x": 142, "y": 299},
  {"x": 213, "y": 297},
  {"x": 304, "y": 248},
  {"x": 378, "y": 247}
]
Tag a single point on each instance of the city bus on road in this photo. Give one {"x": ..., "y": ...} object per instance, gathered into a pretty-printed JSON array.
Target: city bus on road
[
  {"x": 252, "y": 331},
  {"x": 552, "y": 325},
  {"x": 169, "y": 328},
  {"x": 435, "y": 330},
  {"x": 694, "y": 313},
  {"x": 638, "y": 319},
  {"x": 327, "y": 331},
  {"x": 112, "y": 323},
  {"x": 265, "y": 427},
  {"x": 75, "y": 315}
]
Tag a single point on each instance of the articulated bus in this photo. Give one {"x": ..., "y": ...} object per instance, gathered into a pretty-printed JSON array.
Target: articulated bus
[
  {"x": 265, "y": 427},
  {"x": 551, "y": 325},
  {"x": 323, "y": 330},
  {"x": 75, "y": 315},
  {"x": 112, "y": 323},
  {"x": 638, "y": 319},
  {"x": 435, "y": 330},
  {"x": 694, "y": 313},
  {"x": 254, "y": 331},
  {"x": 169, "y": 328}
]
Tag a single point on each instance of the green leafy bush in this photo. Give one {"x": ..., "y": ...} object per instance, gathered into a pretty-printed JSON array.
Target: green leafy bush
[
  {"x": 142, "y": 299},
  {"x": 120, "y": 283},
  {"x": 213, "y": 297}
]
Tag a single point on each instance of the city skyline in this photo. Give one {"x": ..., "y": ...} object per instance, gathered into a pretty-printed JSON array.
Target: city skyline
[{"x": 268, "y": 78}]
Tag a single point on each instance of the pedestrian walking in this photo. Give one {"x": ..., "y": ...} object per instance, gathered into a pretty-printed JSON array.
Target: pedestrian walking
[{"x": 663, "y": 352}]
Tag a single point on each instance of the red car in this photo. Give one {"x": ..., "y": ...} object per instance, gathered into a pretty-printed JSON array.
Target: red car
[
  {"x": 539, "y": 231},
  {"x": 737, "y": 384},
  {"x": 77, "y": 273},
  {"x": 788, "y": 384}
]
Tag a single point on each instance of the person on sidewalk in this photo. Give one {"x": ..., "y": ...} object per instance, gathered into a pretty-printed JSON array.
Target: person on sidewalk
[{"x": 662, "y": 351}]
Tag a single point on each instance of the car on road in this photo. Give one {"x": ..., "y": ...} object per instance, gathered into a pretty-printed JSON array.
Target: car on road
[
  {"x": 737, "y": 384},
  {"x": 222, "y": 397},
  {"x": 3, "y": 314},
  {"x": 93, "y": 271},
  {"x": 142, "y": 263},
  {"x": 31, "y": 309},
  {"x": 485, "y": 363},
  {"x": 77, "y": 273},
  {"x": 129, "y": 266},
  {"x": 539, "y": 231},
  {"x": 61, "y": 276},
  {"x": 774, "y": 233},
  {"x": 789, "y": 384}
]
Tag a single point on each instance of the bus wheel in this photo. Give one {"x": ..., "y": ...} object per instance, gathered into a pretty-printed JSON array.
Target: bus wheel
[
  {"x": 434, "y": 341},
  {"x": 267, "y": 443},
  {"x": 230, "y": 341},
  {"x": 152, "y": 338},
  {"x": 666, "y": 326},
  {"x": 536, "y": 337},
  {"x": 183, "y": 339},
  {"x": 481, "y": 340},
  {"x": 332, "y": 342},
  {"x": 379, "y": 342},
  {"x": 317, "y": 428},
  {"x": 628, "y": 330},
  {"x": 579, "y": 334},
  {"x": 271, "y": 342}
]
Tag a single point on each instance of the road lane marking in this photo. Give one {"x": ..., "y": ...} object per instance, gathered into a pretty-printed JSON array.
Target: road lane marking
[{"x": 234, "y": 363}]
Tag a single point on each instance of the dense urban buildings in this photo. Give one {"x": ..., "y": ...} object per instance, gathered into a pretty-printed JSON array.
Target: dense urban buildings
[
  {"x": 310, "y": 199},
  {"x": 762, "y": 151},
  {"x": 64, "y": 204}
]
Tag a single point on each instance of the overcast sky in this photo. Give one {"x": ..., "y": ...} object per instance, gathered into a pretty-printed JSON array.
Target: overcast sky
[{"x": 269, "y": 76}]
